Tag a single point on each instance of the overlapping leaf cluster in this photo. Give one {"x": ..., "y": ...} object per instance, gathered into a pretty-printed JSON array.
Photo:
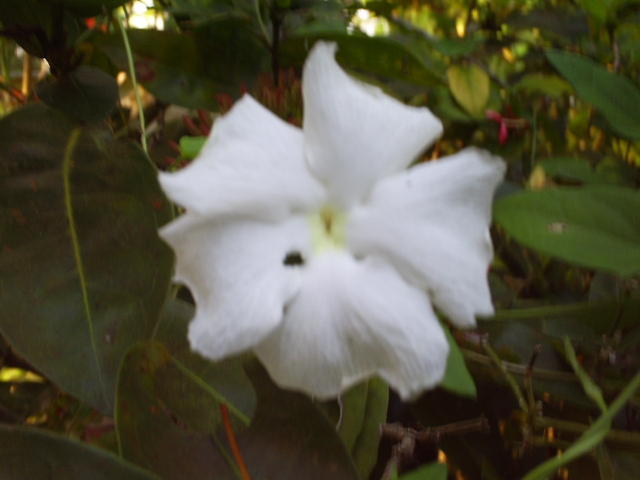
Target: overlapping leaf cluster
[{"x": 96, "y": 378}]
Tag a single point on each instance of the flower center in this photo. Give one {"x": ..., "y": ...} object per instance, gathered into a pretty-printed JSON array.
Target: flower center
[{"x": 327, "y": 230}]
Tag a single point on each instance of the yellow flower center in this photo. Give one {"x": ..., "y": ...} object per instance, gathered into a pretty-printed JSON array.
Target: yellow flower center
[{"x": 327, "y": 230}]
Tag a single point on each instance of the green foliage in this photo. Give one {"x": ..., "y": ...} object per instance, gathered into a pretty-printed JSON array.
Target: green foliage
[
  {"x": 84, "y": 273},
  {"x": 584, "y": 225},
  {"x": 617, "y": 97},
  {"x": 40, "y": 455},
  {"x": 93, "y": 343}
]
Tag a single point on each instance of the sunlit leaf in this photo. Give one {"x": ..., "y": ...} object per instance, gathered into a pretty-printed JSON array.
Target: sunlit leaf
[
  {"x": 190, "y": 146},
  {"x": 550, "y": 85},
  {"x": 470, "y": 87},
  {"x": 84, "y": 274}
]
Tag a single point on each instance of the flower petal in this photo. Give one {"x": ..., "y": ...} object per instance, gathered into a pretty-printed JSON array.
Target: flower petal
[
  {"x": 432, "y": 223},
  {"x": 236, "y": 274},
  {"x": 252, "y": 165},
  {"x": 352, "y": 320},
  {"x": 354, "y": 133}
]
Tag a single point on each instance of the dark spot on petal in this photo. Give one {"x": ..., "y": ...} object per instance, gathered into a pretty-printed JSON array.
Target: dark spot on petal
[{"x": 293, "y": 258}]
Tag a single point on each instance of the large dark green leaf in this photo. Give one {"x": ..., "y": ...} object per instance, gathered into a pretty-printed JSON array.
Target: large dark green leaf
[
  {"x": 596, "y": 226},
  {"x": 31, "y": 454},
  {"x": 226, "y": 377},
  {"x": 614, "y": 95},
  {"x": 84, "y": 274},
  {"x": 28, "y": 22},
  {"x": 189, "y": 70},
  {"x": 380, "y": 56},
  {"x": 87, "y": 93},
  {"x": 169, "y": 422},
  {"x": 168, "y": 419},
  {"x": 289, "y": 438}
]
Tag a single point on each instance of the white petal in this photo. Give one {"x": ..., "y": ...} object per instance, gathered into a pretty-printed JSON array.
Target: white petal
[
  {"x": 352, "y": 320},
  {"x": 432, "y": 223},
  {"x": 354, "y": 133},
  {"x": 236, "y": 274},
  {"x": 251, "y": 165}
]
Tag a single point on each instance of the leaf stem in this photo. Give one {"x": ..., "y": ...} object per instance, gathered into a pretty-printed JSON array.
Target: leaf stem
[{"x": 134, "y": 80}]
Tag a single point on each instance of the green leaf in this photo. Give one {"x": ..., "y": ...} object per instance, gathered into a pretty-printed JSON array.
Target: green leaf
[
  {"x": 614, "y": 95},
  {"x": 590, "y": 388},
  {"x": 28, "y": 22},
  {"x": 550, "y": 85},
  {"x": 556, "y": 21},
  {"x": 596, "y": 226},
  {"x": 227, "y": 377},
  {"x": 90, "y": 8},
  {"x": 353, "y": 405},
  {"x": 470, "y": 87},
  {"x": 381, "y": 56},
  {"x": 289, "y": 438},
  {"x": 457, "y": 378},
  {"x": 190, "y": 70},
  {"x": 168, "y": 420},
  {"x": 589, "y": 439},
  {"x": 365, "y": 450},
  {"x": 579, "y": 170},
  {"x": 190, "y": 146},
  {"x": 87, "y": 94},
  {"x": 84, "y": 273},
  {"x": 33, "y": 454},
  {"x": 432, "y": 471},
  {"x": 598, "y": 9}
]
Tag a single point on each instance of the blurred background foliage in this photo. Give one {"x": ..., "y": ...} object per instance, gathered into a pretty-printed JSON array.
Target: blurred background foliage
[{"x": 96, "y": 377}]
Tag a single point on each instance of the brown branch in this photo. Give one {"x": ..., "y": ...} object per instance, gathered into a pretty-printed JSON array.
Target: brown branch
[{"x": 406, "y": 438}]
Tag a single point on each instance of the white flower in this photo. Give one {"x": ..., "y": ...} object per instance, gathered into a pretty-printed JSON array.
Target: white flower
[{"x": 317, "y": 249}]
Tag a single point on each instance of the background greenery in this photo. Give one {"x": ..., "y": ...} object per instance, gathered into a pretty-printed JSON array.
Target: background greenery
[{"x": 96, "y": 378}]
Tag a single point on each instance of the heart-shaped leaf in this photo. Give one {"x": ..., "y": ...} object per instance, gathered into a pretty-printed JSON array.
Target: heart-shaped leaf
[
  {"x": 84, "y": 273},
  {"x": 470, "y": 87}
]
